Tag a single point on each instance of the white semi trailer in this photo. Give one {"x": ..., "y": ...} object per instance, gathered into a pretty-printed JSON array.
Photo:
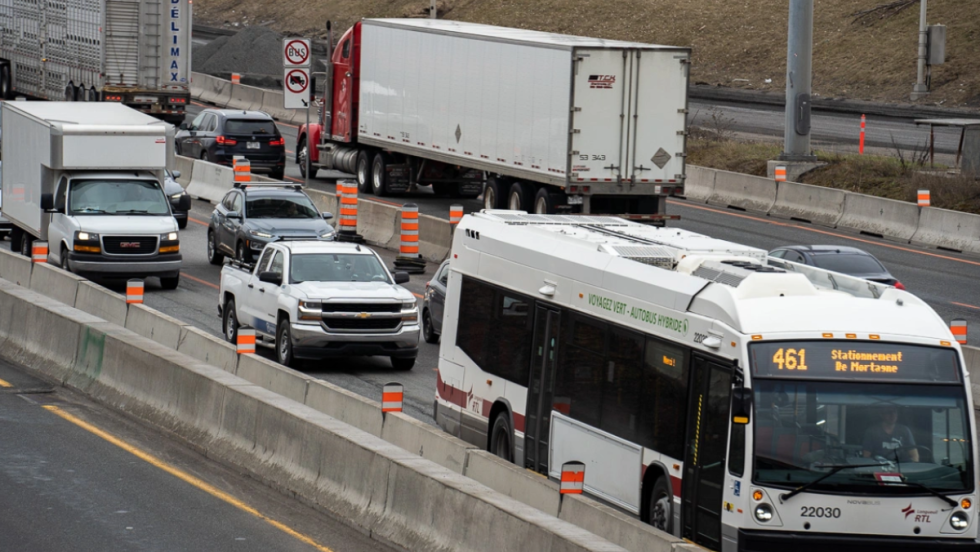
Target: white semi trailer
[
  {"x": 545, "y": 122},
  {"x": 135, "y": 52}
]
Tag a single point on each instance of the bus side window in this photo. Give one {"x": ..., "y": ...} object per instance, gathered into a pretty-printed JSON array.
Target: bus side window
[
  {"x": 664, "y": 398},
  {"x": 476, "y": 312},
  {"x": 583, "y": 367}
]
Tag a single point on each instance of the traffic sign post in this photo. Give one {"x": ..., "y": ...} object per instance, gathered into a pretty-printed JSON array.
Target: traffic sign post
[{"x": 296, "y": 93}]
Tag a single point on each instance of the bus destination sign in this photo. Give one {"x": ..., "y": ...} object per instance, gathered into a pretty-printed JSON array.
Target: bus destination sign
[{"x": 855, "y": 360}]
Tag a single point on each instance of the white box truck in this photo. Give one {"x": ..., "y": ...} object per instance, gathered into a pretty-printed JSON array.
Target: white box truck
[
  {"x": 89, "y": 181},
  {"x": 547, "y": 122},
  {"x": 136, "y": 52}
]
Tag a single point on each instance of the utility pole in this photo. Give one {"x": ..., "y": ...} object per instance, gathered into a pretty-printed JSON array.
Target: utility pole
[
  {"x": 799, "y": 59},
  {"x": 921, "y": 89}
]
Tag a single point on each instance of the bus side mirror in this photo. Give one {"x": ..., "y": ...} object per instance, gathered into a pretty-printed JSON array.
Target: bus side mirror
[{"x": 741, "y": 405}]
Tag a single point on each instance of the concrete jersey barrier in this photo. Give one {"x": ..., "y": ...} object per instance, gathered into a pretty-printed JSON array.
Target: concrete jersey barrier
[
  {"x": 804, "y": 202},
  {"x": 210, "y": 182},
  {"x": 700, "y": 183},
  {"x": 245, "y": 97},
  {"x": 888, "y": 218},
  {"x": 751, "y": 193},
  {"x": 948, "y": 229},
  {"x": 400, "y": 498}
]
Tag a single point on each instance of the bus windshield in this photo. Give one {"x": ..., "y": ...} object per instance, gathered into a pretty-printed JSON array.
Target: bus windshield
[{"x": 898, "y": 437}]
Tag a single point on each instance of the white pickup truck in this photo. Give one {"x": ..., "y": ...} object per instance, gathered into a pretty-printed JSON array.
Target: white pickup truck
[{"x": 315, "y": 300}]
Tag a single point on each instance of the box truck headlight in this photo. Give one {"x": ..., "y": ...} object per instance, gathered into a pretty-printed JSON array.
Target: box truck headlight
[
  {"x": 86, "y": 242},
  {"x": 169, "y": 243}
]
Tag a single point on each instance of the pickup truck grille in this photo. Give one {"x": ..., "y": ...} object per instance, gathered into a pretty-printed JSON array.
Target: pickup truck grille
[
  {"x": 362, "y": 307},
  {"x": 122, "y": 245},
  {"x": 362, "y": 324}
]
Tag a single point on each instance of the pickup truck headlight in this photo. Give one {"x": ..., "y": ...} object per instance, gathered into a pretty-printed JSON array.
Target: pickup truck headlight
[
  {"x": 86, "y": 242},
  {"x": 328, "y": 233},
  {"x": 310, "y": 310},
  {"x": 170, "y": 243},
  {"x": 258, "y": 234},
  {"x": 177, "y": 196},
  {"x": 410, "y": 311}
]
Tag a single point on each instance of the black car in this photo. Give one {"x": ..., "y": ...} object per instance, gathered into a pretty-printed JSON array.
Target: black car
[
  {"x": 253, "y": 215},
  {"x": 838, "y": 258},
  {"x": 174, "y": 193},
  {"x": 434, "y": 304},
  {"x": 218, "y": 135}
]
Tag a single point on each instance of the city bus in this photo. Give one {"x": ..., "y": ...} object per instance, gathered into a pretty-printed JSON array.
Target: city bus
[{"x": 741, "y": 402}]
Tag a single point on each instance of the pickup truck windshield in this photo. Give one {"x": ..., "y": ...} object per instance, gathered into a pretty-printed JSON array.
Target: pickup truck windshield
[
  {"x": 298, "y": 207},
  {"x": 325, "y": 267},
  {"x": 117, "y": 197}
]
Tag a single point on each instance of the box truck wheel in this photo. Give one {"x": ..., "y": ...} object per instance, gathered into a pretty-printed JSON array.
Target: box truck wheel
[
  {"x": 379, "y": 175},
  {"x": 519, "y": 197},
  {"x": 26, "y": 242},
  {"x": 495, "y": 194},
  {"x": 170, "y": 282},
  {"x": 364, "y": 173}
]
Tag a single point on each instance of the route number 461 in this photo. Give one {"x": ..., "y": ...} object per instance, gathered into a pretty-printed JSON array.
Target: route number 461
[{"x": 790, "y": 359}]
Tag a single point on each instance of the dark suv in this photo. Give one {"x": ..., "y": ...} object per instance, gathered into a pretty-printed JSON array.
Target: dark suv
[
  {"x": 253, "y": 215},
  {"x": 217, "y": 135}
]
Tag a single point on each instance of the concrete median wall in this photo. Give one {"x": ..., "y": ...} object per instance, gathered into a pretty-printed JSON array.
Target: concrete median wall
[
  {"x": 427, "y": 441},
  {"x": 186, "y": 167},
  {"x": 615, "y": 526},
  {"x": 245, "y": 97},
  {"x": 888, "y": 218},
  {"x": 154, "y": 325},
  {"x": 274, "y": 377},
  {"x": 700, "y": 183},
  {"x": 210, "y": 182},
  {"x": 396, "y": 496},
  {"x": 207, "y": 348},
  {"x": 98, "y": 301},
  {"x": 948, "y": 229},
  {"x": 55, "y": 283},
  {"x": 15, "y": 268},
  {"x": 346, "y": 406},
  {"x": 815, "y": 204},
  {"x": 507, "y": 478},
  {"x": 751, "y": 193}
]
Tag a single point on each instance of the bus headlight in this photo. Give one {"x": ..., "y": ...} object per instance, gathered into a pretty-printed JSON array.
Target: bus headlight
[
  {"x": 763, "y": 512},
  {"x": 959, "y": 521}
]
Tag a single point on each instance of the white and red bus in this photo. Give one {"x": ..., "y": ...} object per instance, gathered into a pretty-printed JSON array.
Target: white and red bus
[{"x": 741, "y": 402}]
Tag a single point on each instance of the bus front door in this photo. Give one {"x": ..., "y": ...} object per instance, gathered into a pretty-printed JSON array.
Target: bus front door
[
  {"x": 704, "y": 465},
  {"x": 541, "y": 389}
]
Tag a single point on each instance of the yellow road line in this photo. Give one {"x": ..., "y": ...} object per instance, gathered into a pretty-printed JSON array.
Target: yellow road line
[
  {"x": 186, "y": 477},
  {"x": 5, "y": 384}
]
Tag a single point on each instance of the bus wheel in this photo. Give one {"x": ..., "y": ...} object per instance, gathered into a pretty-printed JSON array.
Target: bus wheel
[
  {"x": 662, "y": 506},
  {"x": 500, "y": 438}
]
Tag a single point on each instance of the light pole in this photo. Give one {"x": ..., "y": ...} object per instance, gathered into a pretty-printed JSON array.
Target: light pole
[
  {"x": 921, "y": 89},
  {"x": 799, "y": 58}
]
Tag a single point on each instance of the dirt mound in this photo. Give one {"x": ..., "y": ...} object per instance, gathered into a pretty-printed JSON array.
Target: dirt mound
[
  {"x": 737, "y": 44},
  {"x": 253, "y": 51}
]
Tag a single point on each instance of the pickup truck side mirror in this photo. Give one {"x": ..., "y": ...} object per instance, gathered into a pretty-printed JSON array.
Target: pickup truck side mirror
[
  {"x": 184, "y": 203},
  {"x": 327, "y": 215},
  {"x": 175, "y": 174},
  {"x": 185, "y": 126},
  {"x": 47, "y": 203},
  {"x": 234, "y": 215},
  {"x": 401, "y": 277},
  {"x": 271, "y": 278}
]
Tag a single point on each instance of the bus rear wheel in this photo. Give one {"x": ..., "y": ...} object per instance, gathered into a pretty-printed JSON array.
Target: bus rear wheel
[
  {"x": 662, "y": 506},
  {"x": 501, "y": 438}
]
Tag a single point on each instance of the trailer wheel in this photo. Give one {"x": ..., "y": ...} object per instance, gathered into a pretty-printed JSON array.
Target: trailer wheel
[
  {"x": 82, "y": 93},
  {"x": 93, "y": 95},
  {"x": 518, "y": 198},
  {"x": 364, "y": 173},
  {"x": 494, "y": 194},
  {"x": 544, "y": 202},
  {"x": 71, "y": 93},
  {"x": 6, "y": 90},
  {"x": 379, "y": 175}
]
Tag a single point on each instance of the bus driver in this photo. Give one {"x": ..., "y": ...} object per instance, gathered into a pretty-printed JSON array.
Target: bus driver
[{"x": 890, "y": 439}]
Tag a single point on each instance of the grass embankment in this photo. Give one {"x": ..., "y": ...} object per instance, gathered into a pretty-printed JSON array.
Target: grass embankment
[{"x": 898, "y": 177}]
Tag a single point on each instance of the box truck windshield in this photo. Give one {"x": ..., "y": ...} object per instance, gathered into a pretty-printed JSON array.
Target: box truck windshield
[{"x": 117, "y": 197}]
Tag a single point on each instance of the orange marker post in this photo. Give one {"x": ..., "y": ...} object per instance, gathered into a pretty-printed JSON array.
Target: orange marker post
[
  {"x": 391, "y": 397},
  {"x": 246, "y": 340},
  {"x": 134, "y": 291},
  {"x": 409, "y": 256},
  {"x": 781, "y": 174},
  {"x": 347, "y": 232},
  {"x": 572, "y": 478},
  {"x": 923, "y": 198},
  {"x": 958, "y": 327},
  {"x": 861, "y": 144},
  {"x": 243, "y": 170},
  {"x": 39, "y": 252},
  {"x": 236, "y": 78},
  {"x": 455, "y": 214}
]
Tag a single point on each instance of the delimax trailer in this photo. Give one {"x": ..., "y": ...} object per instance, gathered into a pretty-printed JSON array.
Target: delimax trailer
[
  {"x": 546, "y": 122},
  {"x": 136, "y": 52}
]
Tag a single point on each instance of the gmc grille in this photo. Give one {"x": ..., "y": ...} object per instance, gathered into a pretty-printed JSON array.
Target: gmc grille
[{"x": 121, "y": 245}]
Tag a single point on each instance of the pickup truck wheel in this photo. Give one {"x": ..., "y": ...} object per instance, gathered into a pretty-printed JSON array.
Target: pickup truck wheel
[
  {"x": 229, "y": 322},
  {"x": 170, "y": 283},
  {"x": 405, "y": 364},
  {"x": 214, "y": 257},
  {"x": 428, "y": 332},
  {"x": 284, "y": 344}
]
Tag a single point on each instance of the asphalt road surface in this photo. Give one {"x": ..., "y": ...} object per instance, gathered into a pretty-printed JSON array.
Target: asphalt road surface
[{"x": 76, "y": 476}]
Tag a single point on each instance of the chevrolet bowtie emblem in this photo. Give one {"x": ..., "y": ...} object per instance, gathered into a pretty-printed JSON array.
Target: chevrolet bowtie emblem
[{"x": 364, "y": 315}]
